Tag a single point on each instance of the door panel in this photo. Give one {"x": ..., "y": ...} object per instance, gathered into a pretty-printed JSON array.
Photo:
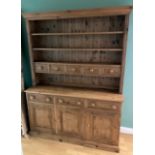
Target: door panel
[
  {"x": 103, "y": 127},
  {"x": 42, "y": 116},
  {"x": 69, "y": 121}
]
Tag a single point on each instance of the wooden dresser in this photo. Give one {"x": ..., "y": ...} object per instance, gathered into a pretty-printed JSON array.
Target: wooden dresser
[{"x": 77, "y": 65}]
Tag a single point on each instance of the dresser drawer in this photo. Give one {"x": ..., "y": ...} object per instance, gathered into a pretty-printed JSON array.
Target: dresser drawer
[
  {"x": 110, "y": 71},
  {"x": 41, "y": 67},
  {"x": 91, "y": 71},
  {"x": 40, "y": 98},
  {"x": 73, "y": 69},
  {"x": 70, "y": 101},
  {"x": 57, "y": 68},
  {"x": 96, "y": 104}
]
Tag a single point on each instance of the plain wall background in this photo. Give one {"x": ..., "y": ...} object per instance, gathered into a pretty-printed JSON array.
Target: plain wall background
[{"x": 58, "y": 5}]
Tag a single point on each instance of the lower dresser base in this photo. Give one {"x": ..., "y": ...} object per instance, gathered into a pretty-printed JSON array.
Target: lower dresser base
[
  {"x": 89, "y": 118},
  {"x": 75, "y": 141}
]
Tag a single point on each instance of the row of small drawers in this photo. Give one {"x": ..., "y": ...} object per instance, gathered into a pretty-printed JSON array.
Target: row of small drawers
[
  {"x": 71, "y": 101},
  {"x": 78, "y": 69}
]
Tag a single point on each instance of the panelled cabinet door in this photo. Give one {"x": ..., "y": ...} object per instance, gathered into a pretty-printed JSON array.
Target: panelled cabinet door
[
  {"x": 42, "y": 117},
  {"x": 69, "y": 121},
  {"x": 102, "y": 127}
]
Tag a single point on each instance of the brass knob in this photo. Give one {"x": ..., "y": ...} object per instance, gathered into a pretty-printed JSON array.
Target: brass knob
[
  {"x": 48, "y": 99},
  {"x": 92, "y": 70},
  {"x": 114, "y": 107},
  {"x": 93, "y": 104},
  {"x": 32, "y": 97},
  {"x": 78, "y": 103},
  {"x": 60, "y": 101},
  {"x": 88, "y": 125}
]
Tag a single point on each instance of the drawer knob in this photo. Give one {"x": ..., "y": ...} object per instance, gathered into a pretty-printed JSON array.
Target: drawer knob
[
  {"x": 40, "y": 67},
  {"x": 78, "y": 103},
  {"x": 111, "y": 71},
  {"x": 48, "y": 99},
  {"x": 114, "y": 107},
  {"x": 60, "y": 101},
  {"x": 73, "y": 69},
  {"x": 92, "y": 70},
  {"x": 32, "y": 97},
  {"x": 93, "y": 104},
  {"x": 56, "y": 68}
]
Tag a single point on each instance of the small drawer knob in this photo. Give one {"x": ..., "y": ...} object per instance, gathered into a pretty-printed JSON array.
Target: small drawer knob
[
  {"x": 40, "y": 67},
  {"x": 114, "y": 107},
  {"x": 48, "y": 99},
  {"x": 92, "y": 70},
  {"x": 32, "y": 97},
  {"x": 56, "y": 68},
  {"x": 111, "y": 71},
  {"x": 93, "y": 104},
  {"x": 73, "y": 69},
  {"x": 78, "y": 103},
  {"x": 60, "y": 101}
]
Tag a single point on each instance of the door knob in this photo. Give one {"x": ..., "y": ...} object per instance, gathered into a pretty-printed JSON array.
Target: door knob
[
  {"x": 32, "y": 97},
  {"x": 60, "y": 101},
  {"x": 48, "y": 99}
]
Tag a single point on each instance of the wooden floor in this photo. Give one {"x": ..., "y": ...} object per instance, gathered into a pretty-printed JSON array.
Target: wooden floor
[{"x": 38, "y": 146}]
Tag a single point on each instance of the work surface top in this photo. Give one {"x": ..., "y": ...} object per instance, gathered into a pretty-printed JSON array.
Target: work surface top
[{"x": 74, "y": 92}]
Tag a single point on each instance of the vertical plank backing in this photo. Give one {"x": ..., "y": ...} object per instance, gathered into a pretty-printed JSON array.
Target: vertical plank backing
[
  {"x": 30, "y": 51},
  {"x": 124, "y": 52}
]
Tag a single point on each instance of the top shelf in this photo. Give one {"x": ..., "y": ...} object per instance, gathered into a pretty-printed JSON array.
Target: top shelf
[{"x": 77, "y": 33}]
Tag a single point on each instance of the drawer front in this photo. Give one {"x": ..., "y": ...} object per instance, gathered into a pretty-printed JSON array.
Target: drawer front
[
  {"x": 70, "y": 101},
  {"x": 91, "y": 70},
  {"x": 57, "y": 69},
  {"x": 41, "y": 67},
  {"x": 110, "y": 71},
  {"x": 73, "y": 69},
  {"x": 39, "y": 98},
  {"x": 96, "y": 104}
]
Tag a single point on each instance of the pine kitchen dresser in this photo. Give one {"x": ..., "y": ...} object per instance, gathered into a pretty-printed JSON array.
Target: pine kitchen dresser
[{"x": 77, "y": 65}]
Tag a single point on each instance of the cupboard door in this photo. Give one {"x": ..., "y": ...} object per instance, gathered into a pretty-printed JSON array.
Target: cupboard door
[
  {"x": 69, "y": 121},
  {"x": 41, "y": 117},
  {"x": 103, "y": 127}
]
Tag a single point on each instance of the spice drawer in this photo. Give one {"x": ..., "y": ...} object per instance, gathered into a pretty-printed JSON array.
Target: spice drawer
[
  {"x": 41, "y": 67},
  {"x": 79, "y": 69}
]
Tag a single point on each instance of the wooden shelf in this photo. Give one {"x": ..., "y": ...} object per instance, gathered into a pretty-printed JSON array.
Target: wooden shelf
[
  {"x": 82, "y": 64},
  {"x": 77, "y": 33},
  {"x": 78, "y": 49}
]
